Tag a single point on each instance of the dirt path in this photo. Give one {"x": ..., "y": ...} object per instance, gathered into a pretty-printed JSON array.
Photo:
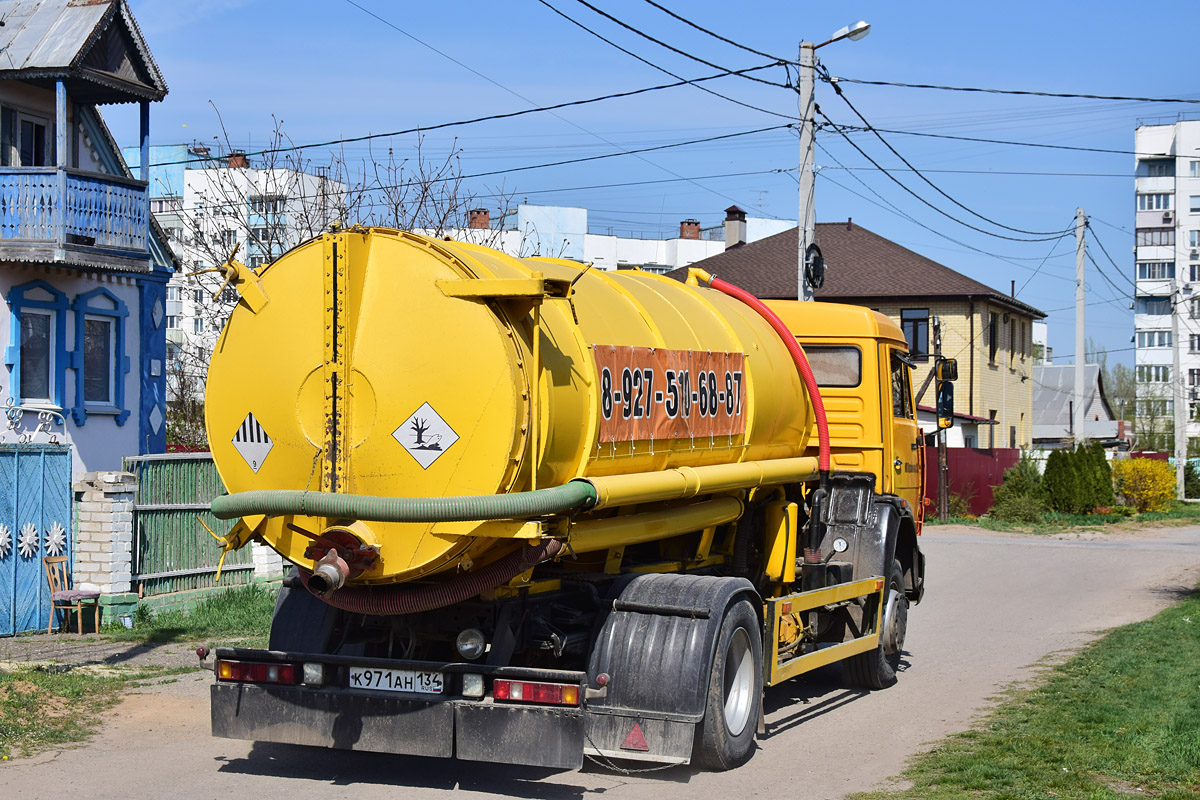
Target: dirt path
[{"x": 996, "y": 606}]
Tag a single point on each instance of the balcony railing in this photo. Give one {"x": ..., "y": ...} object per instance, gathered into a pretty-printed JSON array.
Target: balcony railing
[{"x": 69, "y": 207}]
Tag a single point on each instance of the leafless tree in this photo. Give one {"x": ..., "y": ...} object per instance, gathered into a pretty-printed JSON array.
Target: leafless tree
[{"x": 265, "y": 204}]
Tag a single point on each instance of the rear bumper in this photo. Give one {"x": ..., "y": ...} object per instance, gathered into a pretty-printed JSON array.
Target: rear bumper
[{"x": 474, "y": 730}]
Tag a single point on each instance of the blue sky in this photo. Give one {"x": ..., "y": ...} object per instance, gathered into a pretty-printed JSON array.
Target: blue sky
[{"x": 330, "y": 70}]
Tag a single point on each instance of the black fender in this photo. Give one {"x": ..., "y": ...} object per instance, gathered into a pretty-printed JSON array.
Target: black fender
[{"x": 657, "y": 644}]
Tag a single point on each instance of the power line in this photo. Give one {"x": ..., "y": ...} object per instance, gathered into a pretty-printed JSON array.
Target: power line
[
  {"x": 527, "y": 100},
  {"x": 945, "y": 214},
  {"x": 887, "y": 205},
  {"x": 1106, "y": 255},
  {"x": 676, "y": 50},
  {"x": 458, "y": 123},
  {"x": 702, "y": 29},
  {"x": 838, "y": 90},
  {"x": 1068, "y": 95},
  {"x": 664, "y": 70},
  {"x": 983, "y": 140},
  {"x": 1104, "y": 275},
  {"x": 1026, "y": 173}
]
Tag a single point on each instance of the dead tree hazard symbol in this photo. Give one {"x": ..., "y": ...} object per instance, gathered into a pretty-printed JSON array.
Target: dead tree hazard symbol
[{"x": 425, "y": 435}]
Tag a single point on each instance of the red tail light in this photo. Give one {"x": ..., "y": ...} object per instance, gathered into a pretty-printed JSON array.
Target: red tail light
[
  {"x": 255, "y": 672},
  {"x": 558, "y": 694}
]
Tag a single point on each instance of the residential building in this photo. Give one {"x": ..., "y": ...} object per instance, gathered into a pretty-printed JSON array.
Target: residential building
[
  {"x": 987, "y": 331},
  {"x": 83, "y": 269},
  {"x": 1054, "y": 405},
  {"x": 563, "y": 232},
  {"x": 210, "y": 206},
  {"x": 1167, "y": 274}
]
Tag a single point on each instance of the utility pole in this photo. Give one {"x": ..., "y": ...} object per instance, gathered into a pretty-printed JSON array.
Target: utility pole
[
  {"x": 1079, "y": 412},
  {"x": 943, "y": 487},
  {"x": 1180, "y": 403},
  {"x": 807, "y": 218},
  {"x": 806, "y": 221}
]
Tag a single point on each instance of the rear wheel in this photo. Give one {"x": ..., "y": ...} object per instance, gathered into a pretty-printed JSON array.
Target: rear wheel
[
  {"x": 725, "y": 738},
  {"x": 876, "y": 669},
  {"x": 302, "y": 622}
]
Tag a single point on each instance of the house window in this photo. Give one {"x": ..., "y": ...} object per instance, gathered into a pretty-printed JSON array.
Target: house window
[
  {"x": 1153, "y": 373},
  {"x": 266, "y": 204},
  {"x": 97, "y": 361},
  {"x": 1160, "y": 169},
  {"x": 1194, "y": 377},
  {"x": 1012, "y": 436},
  {"x": 992, "y": 429},
  {"x": 915, "y": 322},
  {"x": 33, "y": 144},
  {"x": 1155, "y": 338},
  {"x": 1155, "y": 270},
  {"x": 1194, "y": 169},
  {"x": 1154, "y": 407},
  {"x": 1194, "y": 204},
  {"x": 197, "y": 295},
  {"x": 197, "y": 325},
  {"x": 100, "y": 338},
  {"x": 1152, "y": 237},
  {"x": 172, "y": 322},
  {"x": 172, "y": 293},
  {"x": 1194, "y": 273},
  {"x": 1154, "y": 306},
  {"x": 1193, "y": 238},
  {"x": 1194, "y": 343},
  {"x": 37, "y": 359},
  {"x": 1195, "y": 306},
  {"x": 993, "y": 335},
  {"x": 37, "y": 353},
  {"x": 1155, "y": 202}
]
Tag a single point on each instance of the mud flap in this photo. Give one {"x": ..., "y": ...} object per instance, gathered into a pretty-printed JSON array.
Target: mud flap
[{"x": 536, "y": 737}]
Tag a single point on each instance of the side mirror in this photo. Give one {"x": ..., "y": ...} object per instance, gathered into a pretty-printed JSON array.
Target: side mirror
[
  {"x": 947, "y": 369},
  {"x": 945, "y": 404}
]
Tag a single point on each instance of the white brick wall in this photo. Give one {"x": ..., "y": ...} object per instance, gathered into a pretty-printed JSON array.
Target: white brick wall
[{"x": 104, "y": 536}]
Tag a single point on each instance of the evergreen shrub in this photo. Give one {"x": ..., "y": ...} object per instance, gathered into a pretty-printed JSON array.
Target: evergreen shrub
[{"x": 1021, "y": 497}]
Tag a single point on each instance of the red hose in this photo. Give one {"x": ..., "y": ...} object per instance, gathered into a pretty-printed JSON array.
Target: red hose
[
  {"x": 392, "y": 600},
  {"x": 806, "y": 373}
]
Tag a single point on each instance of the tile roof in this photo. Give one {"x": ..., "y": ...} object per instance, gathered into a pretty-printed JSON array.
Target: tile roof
[{"x": 859, "y": 265}]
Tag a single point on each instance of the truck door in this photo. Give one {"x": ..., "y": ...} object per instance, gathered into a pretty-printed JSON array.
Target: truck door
[{"x": 905, "y": 448}]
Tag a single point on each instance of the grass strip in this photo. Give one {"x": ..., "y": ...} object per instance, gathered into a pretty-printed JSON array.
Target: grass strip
[
  {"x": 1120, "y": 719},
  {"x": 43, "y": 706},
  {"x": 242, "y": 613}
]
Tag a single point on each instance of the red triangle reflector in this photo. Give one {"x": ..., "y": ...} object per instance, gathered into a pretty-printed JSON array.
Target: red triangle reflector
[{"x": 635, "y": 740}]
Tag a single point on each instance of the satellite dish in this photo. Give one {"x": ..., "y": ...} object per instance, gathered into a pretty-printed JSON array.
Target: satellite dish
[{"x": 814, "y": 267}]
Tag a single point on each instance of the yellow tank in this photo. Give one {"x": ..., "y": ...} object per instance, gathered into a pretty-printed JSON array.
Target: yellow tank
[{"x": 376, "y": 362}]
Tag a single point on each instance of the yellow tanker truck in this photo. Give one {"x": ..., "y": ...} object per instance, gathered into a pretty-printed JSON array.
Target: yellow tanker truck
[{"x": 539, "y": 511}]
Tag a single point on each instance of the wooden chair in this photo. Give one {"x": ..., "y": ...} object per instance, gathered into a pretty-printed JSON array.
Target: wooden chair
[{"x": 64, "y": 599}]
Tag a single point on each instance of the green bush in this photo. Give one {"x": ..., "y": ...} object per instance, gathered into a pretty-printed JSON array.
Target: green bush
[
  {"x": 1021, "y": 497},
  {"x": 1078, "y": 480},
  {"x": 1147, "y": 484},
  {"x": 1191, "y": 480}
]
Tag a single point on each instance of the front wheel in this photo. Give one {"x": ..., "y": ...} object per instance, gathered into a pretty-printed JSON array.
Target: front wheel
[
  {"x": 876, "y": 669},
  {"x": 725, "y": 738}
]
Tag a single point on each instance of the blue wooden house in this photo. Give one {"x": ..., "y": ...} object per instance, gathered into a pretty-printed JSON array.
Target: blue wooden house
[{"x": 83, "y": 272}]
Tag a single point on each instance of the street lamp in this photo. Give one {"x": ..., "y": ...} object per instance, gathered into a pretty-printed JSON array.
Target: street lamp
[{"x": 807, "y": 218}]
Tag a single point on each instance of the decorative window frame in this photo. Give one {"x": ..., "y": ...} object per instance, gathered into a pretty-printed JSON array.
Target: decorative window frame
[
  {"x": 118, "y": 313},
  {"x": 17, "y": 302}
]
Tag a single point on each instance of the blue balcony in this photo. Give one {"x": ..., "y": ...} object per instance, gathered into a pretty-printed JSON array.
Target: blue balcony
[{"x": 73, "y": 218}]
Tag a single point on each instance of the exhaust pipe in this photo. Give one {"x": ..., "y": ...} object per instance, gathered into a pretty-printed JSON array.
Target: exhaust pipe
[{"x": 329, "y": 574}]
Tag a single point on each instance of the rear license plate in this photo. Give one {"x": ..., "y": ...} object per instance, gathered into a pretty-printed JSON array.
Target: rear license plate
[{"x": 396, "y": 680}]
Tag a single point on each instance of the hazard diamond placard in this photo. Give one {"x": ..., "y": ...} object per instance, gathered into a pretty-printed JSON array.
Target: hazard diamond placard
[{"x": 252, "y": 442}]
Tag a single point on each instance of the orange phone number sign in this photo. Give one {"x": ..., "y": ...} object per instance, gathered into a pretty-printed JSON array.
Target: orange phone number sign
[{"x": 649, "y": 393}]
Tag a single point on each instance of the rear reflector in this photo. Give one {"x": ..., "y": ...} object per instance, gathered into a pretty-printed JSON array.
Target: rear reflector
[
  {"x": 558, "y": 694},
  {"x": 255, "y": 672}
]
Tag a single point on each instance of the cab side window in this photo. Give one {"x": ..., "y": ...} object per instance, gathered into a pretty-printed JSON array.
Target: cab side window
[{"x": 901, "y": 389}]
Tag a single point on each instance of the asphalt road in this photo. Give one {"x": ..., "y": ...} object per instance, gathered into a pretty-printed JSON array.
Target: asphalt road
[{"x": 996, "y": 607}]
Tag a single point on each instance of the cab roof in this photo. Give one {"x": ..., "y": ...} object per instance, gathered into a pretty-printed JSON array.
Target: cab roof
[{"x": 835, "y": 320}]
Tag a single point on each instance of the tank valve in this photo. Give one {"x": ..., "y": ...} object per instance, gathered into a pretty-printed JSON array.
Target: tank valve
[{"x": 329, "y": 574}]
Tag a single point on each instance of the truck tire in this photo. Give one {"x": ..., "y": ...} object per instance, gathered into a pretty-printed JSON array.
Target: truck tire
[
  {"x": 302, "y": 622},
  {"x": 876, "y": 669},
  {"x": 725, "y": 738}
]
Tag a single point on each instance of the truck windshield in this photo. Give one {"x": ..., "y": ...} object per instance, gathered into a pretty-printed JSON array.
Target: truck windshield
[{"x": 837, "y": 366}]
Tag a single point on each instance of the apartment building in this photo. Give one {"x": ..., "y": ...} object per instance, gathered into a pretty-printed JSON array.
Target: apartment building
[{"x": 1167, "y": 274}]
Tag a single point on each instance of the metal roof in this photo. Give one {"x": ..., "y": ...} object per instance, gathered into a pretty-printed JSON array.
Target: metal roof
[{"x": 96, "y": 44}]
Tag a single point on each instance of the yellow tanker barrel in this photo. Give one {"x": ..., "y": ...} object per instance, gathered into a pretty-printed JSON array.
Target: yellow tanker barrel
[{"x": 389, "y": 365}]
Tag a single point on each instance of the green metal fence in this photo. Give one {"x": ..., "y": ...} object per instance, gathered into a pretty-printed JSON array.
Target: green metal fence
[{"x": 172, "y": 551}]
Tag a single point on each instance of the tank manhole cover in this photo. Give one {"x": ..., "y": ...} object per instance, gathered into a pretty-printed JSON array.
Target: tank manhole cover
[{"x": 425, "y": 435}]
